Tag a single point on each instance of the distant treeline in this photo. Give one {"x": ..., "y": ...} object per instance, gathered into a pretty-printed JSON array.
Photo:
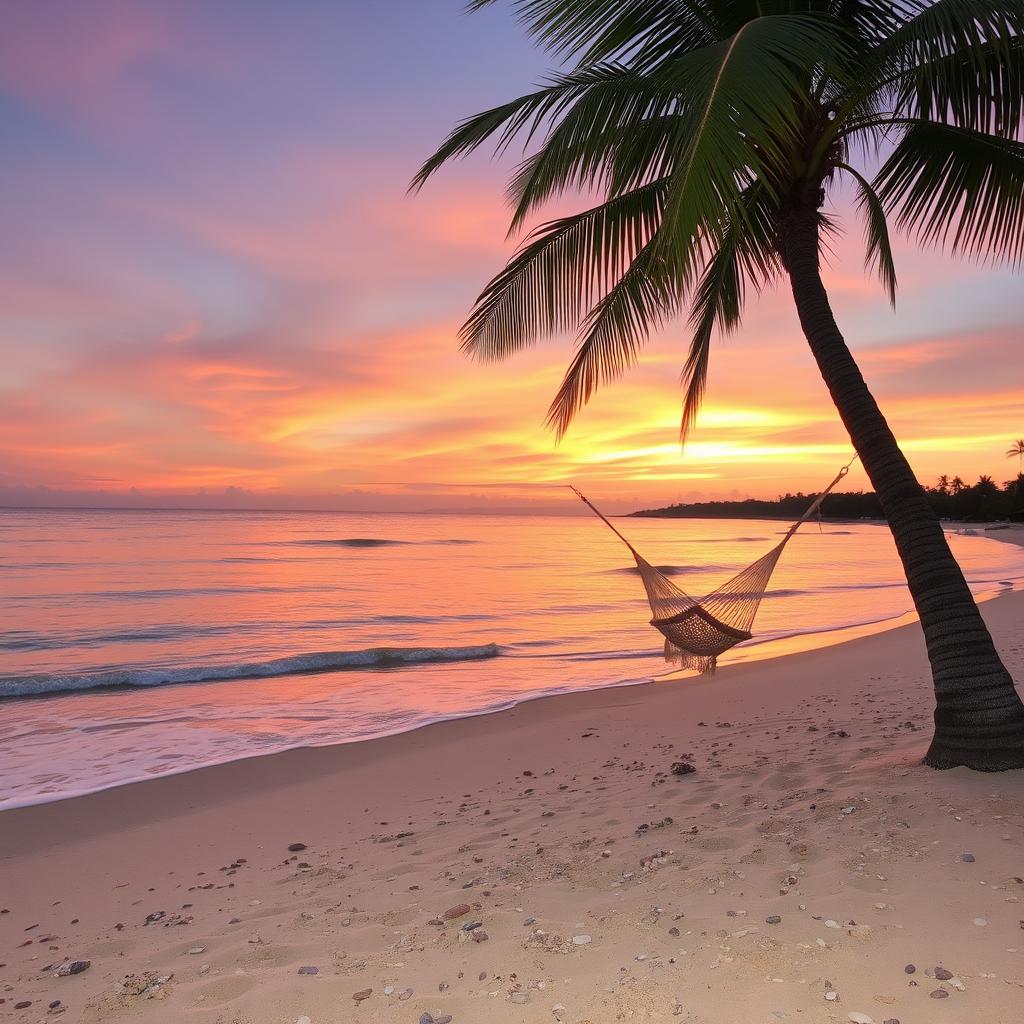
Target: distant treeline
[{"x": 951, "y": 499}]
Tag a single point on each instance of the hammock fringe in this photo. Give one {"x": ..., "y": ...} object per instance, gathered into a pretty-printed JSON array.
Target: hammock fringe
[{"x": 702, "y": 664}]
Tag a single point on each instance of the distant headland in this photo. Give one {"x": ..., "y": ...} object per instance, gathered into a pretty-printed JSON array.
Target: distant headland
[{"x": 984, "y": 501}]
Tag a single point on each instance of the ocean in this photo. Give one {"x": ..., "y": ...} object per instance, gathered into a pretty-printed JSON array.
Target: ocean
[{"x": 141, "y": 643}]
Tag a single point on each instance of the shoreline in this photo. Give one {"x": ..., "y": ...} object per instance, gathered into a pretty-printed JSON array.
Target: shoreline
[
  {"x": 760, "y": 651},
  {"x": 332, "y": 758},
  {"x": 808, "y": 846}
]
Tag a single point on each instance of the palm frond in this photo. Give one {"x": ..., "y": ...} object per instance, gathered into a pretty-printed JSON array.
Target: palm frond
[
  {"x": 622, "y": 112},
  {"x": 619, "y": 87},
  {"x": 951, "y": 60},
  {"x": 733, "y": 134},
  {"x": 980, "y": 90},
  {"x": 564, "y": 267},
  {"x": 958, "y": 189},
  {"x": 645, "y": 31},
  {"x": 642, "y": 300},
  {"x": 878, "y": 250},
  {"x": 744, "y": 256}
]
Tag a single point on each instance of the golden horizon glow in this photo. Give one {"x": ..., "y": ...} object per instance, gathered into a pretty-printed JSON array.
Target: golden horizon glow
[{"x": 220, "y": 293}]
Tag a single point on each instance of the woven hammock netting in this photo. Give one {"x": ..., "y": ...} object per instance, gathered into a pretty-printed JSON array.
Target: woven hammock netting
[{"x": 697, "y": 631}]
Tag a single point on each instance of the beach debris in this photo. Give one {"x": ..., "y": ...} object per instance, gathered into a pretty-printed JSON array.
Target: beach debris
[
  {"x": 393, "y": 838},
  {"x": 73, "y": 967},
  {"x": 405, "y": 994},
  {"x": 148, "y": 985},
  {"x": 362, "y": 994},
  {"x": 157, "y": 915},
  {"x": 832, "y": 996},
  {"x": 860, "y": 1018},
  {"x": 172, "y": 920},
  {"x": 654, "y": 860},
  {"x": 309, "y": 970},
  {"x": 582, "y": 940},
  {"x": 196, "y": 950},
  {"x": 647, "y": 826},
  {"x": 682, "y": 768},
  {"x": 980, "y": 922},
  {"x": 479, "y": 935},
  {"x": 519, "y": 998},
  {"x": 296, "y": 847},
  {"x": 459, "y": 910}
]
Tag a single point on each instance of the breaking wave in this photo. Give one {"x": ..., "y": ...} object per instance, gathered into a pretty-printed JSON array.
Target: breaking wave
[{"x": 297, "y": 664}]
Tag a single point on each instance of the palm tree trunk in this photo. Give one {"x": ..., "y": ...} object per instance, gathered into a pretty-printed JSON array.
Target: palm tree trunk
[{"x": 979, "y": 717}]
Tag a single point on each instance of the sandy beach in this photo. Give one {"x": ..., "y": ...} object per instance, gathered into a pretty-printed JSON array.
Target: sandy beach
[{"x": 545, "y": 864}]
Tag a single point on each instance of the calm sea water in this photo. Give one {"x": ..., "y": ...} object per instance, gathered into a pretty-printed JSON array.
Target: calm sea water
[{"x": 135, "y": 644}]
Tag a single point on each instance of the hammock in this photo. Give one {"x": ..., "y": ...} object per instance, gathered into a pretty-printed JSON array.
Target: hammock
[{"x": 697, "y": 632}]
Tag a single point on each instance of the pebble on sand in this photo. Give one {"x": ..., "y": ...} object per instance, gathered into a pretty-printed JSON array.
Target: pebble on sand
[
  {"x": 73, "y": 967},
  {"x": 363, "y": 993}
]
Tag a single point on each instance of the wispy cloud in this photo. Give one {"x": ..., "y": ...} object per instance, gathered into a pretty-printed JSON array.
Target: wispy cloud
[{"x": 214, "y": 281}]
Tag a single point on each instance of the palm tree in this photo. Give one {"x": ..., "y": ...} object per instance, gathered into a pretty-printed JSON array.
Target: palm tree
[
  {"x": 1017, "y": 449},
  {"x": 713, "y": 133}
]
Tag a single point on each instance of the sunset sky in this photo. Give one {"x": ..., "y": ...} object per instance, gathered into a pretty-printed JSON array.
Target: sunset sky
[{"x": 215, "y": 290}]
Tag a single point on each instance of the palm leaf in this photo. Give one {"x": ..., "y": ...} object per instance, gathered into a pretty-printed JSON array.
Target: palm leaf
[
  {"x": 733, "y": 134},
  {"x": 620, "y": 89},
  {"x": 643, "y": 299},
  {"x": 745, "y": 255},
  {"x": 597, "y": 30},
  {"x": 564, "y": 267},
  {"x": 959, "y": 189},
  {"x": 878, "y": 250}
]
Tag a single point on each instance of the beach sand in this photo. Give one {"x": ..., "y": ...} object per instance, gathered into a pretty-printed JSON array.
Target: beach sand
[{"x": 793, "y": 876}]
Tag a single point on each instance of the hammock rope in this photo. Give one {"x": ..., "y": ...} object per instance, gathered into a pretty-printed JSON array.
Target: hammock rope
[{"x": 697, "y": 632}]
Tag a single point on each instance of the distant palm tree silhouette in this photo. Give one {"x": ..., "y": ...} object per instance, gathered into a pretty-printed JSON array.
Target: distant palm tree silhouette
[{"x": 1017, "y": 449}]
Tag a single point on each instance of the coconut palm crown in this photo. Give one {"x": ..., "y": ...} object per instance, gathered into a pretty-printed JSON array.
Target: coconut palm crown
[{"x": 714, "y": 133}]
